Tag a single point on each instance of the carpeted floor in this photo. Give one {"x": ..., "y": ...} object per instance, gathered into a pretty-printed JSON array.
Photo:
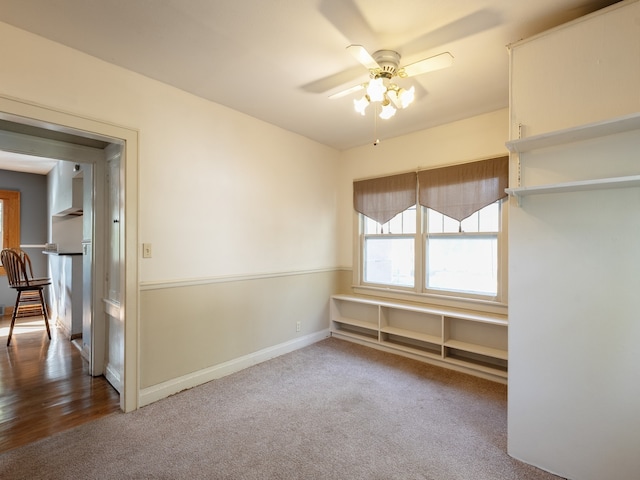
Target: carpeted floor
[{"x": 334, "y": 410}]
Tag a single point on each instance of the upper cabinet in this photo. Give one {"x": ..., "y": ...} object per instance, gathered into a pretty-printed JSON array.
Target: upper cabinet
[
  {"x": 570, "y": 77},
  {"x": 67, "y": 189},
  {"x": 575, "y": 106}
]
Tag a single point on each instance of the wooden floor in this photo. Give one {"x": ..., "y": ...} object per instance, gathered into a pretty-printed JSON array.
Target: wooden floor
[{"x": 44, "y": 385}]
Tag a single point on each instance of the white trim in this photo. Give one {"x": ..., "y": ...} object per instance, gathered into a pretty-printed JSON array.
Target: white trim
[
  {"x": 36, "y": 146},
  {"x": 190, "y": 282},
  {"x": 162, "y": 390},
  {"x": 584, "y": 18},
  {"x": 113, "y": 377},
  {"x": 26, "y": 112}
]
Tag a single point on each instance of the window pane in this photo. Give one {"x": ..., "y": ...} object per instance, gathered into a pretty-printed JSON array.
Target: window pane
[
  {"x": 463, "y": 263},
  {"x": 470, "y": 224},
  {"x": 434, "y": 221},
  {"x": 389, "y": 260},
  {"x": 370, "y": 226},
  {"x": 489, "y": 220},
  {"x": 404, "y": 222}
]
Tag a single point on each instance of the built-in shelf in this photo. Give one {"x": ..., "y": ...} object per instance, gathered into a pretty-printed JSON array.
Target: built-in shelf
[
  {"x": 603, "y": 128},
  {"x": 401, "y": 332},
  {"x": 598, "y": 184},
  {"x": 465, "y": 340},
  {"x": 479, "y": 349},
  {"x": 626, "y": 123}
]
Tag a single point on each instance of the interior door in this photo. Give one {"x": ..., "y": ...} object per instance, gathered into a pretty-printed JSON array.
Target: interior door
[{"x": 112, "y": 302}]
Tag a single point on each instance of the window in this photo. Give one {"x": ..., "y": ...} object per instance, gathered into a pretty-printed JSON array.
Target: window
[
  {"x": 10, "y": 220},
  {"x": 463, "y": 256},
  {"x": 449, "y": 242},
  {"x": 460, "y": 258},
  {"x": 388, "y": 258}
]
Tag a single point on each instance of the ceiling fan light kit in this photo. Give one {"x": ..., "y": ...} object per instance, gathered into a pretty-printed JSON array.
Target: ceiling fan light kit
[
  {"x": 383, "y": 65},
  {"x": 389, "y": 95}
]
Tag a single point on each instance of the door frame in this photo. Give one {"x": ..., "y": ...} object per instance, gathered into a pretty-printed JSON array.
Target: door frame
[{"x": 20, "y": 111}]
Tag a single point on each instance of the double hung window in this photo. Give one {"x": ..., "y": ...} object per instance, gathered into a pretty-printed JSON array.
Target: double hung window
[{"x": 436, "y": 231}]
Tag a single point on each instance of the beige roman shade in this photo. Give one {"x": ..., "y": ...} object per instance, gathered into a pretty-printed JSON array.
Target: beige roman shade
[
  {"x": 461, "y": 190},
  {"x": 383, "y": 198}
]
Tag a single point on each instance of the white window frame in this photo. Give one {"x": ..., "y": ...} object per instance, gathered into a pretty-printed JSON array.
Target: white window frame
[{"x": 419, "y": 292}]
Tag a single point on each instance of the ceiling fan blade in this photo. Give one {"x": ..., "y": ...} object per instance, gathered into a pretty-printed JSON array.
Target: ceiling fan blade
[
  {"x": 346, "y": 77},
  {"x": 346, "y": 92},
  {"x": 430, "y": 64},
  {"x": 360, "y": 53},
  {"x": 466, "y": 26},
  {"x": 348, "y": 20}
]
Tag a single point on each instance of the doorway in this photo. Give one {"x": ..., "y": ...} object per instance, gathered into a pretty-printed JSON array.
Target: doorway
[{"x": 105, "y": 261}]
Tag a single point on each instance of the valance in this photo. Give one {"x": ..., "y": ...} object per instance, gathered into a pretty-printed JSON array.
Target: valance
[
  {"x": 459, "y": 191},
  {"x": 383, "y": 198}
]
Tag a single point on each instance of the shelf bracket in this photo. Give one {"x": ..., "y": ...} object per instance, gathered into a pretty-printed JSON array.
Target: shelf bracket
[
  {"x": 515, "y": 194},
  {"x": 519, "y": 200}
]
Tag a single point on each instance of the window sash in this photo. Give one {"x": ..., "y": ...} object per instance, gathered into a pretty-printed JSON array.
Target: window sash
[
  {"x": 468, "y": 263},
  {"x": 381, "y": 268}
]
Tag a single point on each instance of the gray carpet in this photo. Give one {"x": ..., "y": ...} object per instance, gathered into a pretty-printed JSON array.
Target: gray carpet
[{"x": 334, "y": 410}]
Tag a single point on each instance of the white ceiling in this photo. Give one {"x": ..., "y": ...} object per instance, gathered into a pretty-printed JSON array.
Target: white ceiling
[
  {"x": 278, "y": 60},
  {"x": 26, "y": 163}
]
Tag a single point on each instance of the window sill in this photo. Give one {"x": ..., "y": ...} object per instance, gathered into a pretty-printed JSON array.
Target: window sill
[{"x": 450, "y": 301}]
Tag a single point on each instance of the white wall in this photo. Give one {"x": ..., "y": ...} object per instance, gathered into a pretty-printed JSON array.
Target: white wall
[
  {"x": 212, "y": 177},
  {"x": 220, "y": 194},
  {"x": 574, "y": 381}
]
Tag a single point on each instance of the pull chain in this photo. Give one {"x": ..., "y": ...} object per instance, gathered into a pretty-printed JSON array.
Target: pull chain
[{"x": 376, "y": 140}]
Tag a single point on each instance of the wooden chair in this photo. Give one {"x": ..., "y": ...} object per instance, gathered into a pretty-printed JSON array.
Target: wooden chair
[{"x": 30, "y": 299}]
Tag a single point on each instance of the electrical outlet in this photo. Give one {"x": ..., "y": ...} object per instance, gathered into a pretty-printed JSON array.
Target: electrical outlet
[
  {"x": 298, "y": 326},
  {"x": 146, "y": 250}
]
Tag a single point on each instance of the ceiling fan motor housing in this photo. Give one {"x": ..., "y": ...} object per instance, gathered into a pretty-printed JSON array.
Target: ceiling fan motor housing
[{"x": 388, "y": 60}]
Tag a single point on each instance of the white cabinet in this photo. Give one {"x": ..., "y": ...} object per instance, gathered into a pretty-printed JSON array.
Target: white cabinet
[
  {"x": 66, "y": 289},
  {"x": 573, "y": 247},
  {"x": 471, "y": 342},
  {"x": 67, "y": 185}
]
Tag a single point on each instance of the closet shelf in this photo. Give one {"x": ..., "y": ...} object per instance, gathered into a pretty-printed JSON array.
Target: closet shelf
[
  {"x": 575, "y": 134},
  {"x": 598, "y": 184}
]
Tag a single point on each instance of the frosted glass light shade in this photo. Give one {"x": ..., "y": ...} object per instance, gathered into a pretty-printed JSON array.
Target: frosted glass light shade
[
  {"x": 361, "y": 105},
  {"x": 407, "y": 96},
  {"x": 376, "y": 90},
  {"x": 388, "y": 111}
]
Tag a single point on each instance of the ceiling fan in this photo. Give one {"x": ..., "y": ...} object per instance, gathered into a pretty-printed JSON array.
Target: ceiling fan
[
  {"x": 384, "y": 66},
  {"x": 348, "y": 19}
]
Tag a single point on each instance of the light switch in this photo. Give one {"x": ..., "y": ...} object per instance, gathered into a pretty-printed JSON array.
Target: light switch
[{"x": 146, "y": 250}]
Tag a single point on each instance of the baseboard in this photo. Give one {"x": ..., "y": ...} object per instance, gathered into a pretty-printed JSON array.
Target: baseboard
[
  {"x": 113, "y": 377},
  {"x": 65, "y": 331},
  {"x": 162, "y": 390},
  {"x": 86, "y": 352}
]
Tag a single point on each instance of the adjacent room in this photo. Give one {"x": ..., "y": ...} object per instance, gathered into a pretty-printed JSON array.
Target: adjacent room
[{"x": 320, "y": 239}]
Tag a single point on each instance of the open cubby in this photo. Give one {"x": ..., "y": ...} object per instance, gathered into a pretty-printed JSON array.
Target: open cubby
[{"x": 411, "y": 345}]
